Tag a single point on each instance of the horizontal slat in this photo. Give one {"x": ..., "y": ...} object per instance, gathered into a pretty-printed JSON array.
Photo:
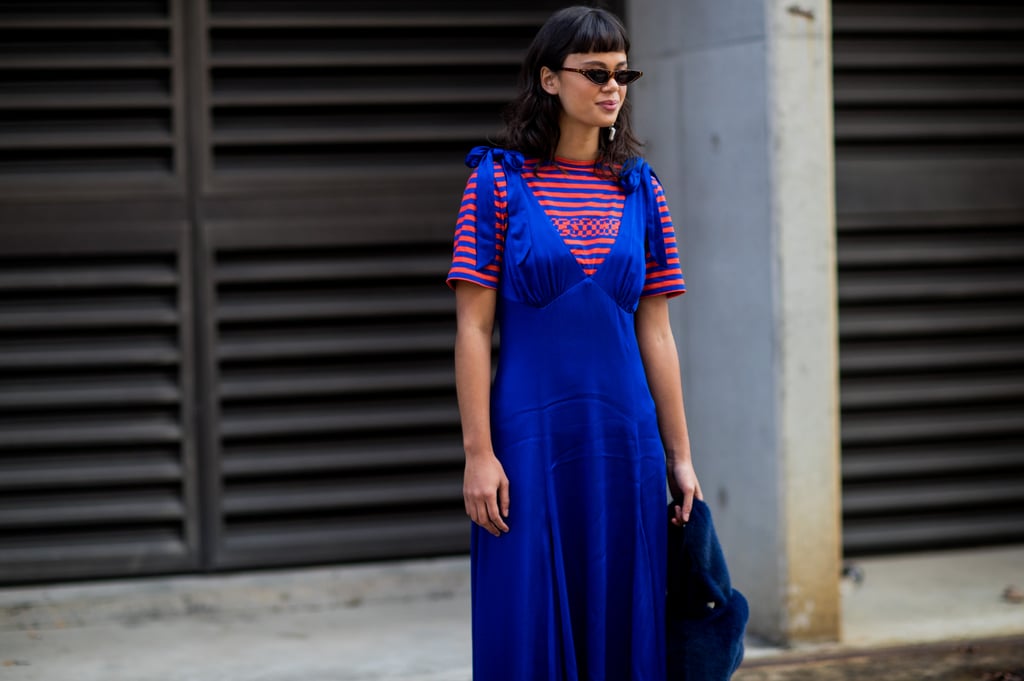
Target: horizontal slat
[
  {"x": 891, "y": 426},
  {"x": 885, "y": 355},
  {"x": 918, "y": 17},
  {"x": 272, "y": 344},
  {"x": 356, "y": 267},
  {"x": 61, "y": 61},
  {"x": 90, "y": 314},
  {"x": 255, "y": 460},
  {"x": 83, "y": 22},
  {"x": 251, "y": 385},
  {"x": 58, "y": 391},
  {"x": 102, "y": 468},
  {"x": 940, "y": 458},
  {"x": 931, "y": 247},
  {"x": 67, "y": 275},
  {"x": 85, "y": 139},
  {"x": 86, "y": 102},
  {"x": 346, "y": 19},
  {"x": 71, "y": 508},
  {"x": 105, "y": 551},
  {"x": 926, "y": 89},
  {"x": 287, "y": 421},
  {"x": 355, "y": 135},
  {"x": 336, "y": 170},
  {"x": 931, "y": 494},
  {"x": 926, "y": 125},
  {"x": 927, "y": 320},
  {"x": 384, "y": 96},
  {"x": 73, "y": 431},
  {"x": 932, "y": 284},
  {"x": 304, "y": 539},
  {"x": 45, "y": 42},
  {"x": 876, "y": 52},
  {"x": 83, "y": 353},
  {"x": 894, "y": 389},
  {"x": 320, "y": 495},
  {"x": 334, "y": 305},
  {"x": 404, "y": 58},
  {"x": 927, "y": 222},
  {"x": 936, "y": 531}
]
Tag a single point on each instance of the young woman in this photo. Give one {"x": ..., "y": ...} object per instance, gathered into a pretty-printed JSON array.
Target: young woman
[{"x": 564, "y": 239}]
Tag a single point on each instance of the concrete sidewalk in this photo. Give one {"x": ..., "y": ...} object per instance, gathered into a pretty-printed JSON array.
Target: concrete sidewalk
[{"x": 410, "y": 622}]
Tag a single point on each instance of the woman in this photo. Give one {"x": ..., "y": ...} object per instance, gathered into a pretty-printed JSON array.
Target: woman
[{"x": 565, "y": 241}]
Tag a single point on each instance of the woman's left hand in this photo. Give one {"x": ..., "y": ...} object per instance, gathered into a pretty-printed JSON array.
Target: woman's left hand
[{"x": 682, "y": 481}]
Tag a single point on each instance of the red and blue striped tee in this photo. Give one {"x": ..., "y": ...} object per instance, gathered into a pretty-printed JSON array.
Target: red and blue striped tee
[{"x": 584, "y": 206}]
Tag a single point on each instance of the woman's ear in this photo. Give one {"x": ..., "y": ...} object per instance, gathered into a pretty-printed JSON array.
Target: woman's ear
[{"x": 549, "y": 80}]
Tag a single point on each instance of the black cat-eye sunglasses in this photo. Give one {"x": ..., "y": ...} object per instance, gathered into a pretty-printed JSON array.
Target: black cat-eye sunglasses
[{"x": 602, "y": 76}]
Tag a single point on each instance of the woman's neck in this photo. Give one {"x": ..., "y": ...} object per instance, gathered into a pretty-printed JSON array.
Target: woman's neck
[{"x": 577, "y": 143}]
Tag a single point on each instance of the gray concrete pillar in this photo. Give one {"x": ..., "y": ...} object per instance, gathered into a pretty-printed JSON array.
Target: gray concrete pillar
[{"x": 736, "y": 107}]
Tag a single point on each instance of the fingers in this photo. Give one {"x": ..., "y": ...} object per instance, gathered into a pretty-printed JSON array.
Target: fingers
[
  {"x": 687, "y": 506},
  {"x": 494, "y": 515},
  {"x": 677, "y": 518},
  {"x": 478, "y": 515},
  {"x": 488, "y": 510},
  {"x": 503, "y": 498},
  {"x": 483, "y": 519}
]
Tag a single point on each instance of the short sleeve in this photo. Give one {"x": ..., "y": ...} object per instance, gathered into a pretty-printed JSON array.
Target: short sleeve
[
  {"x": 666, "y": 280},
  {"x": 469, "y": 230}
]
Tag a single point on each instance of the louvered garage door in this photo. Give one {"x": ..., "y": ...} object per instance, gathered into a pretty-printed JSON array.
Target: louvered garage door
[
  {"x": 331, "y": 182},
  {"x": 96, "y": 462},
  {"x": 224, "y": 228},
  {"x": 929, "y": 124}
]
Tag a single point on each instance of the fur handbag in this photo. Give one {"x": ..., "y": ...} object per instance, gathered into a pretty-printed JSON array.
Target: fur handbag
[{"x": 706, "y": 617}]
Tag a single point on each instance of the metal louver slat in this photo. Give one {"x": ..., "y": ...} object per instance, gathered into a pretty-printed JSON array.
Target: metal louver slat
[
  {"x": 930, "y": 200},
  {"x": 921, "y": 459},
  {"x": 354, "y": 429},
  {"x": 423, "y": 533},
  {"x": 89, "y": 97},
  {"x": 93, "y": 435},
  {"x": 265, "y": 459}
]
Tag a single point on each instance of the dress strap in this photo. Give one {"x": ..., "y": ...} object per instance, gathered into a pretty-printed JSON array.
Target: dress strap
[
  {"x": 637, "y": 175},
  {"x": 655, "y": 231},
  {"x": 483, "y": 159}
]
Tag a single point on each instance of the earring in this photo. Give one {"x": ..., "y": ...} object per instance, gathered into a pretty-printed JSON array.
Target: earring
[{"x": 611, "y": 133}]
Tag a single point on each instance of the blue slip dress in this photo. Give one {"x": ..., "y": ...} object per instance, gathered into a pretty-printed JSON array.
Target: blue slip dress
[{"x": 575, "y": 591}]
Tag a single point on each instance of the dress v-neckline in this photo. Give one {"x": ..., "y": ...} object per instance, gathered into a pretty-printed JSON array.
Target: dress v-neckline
[{"x": 553, "y": 229}]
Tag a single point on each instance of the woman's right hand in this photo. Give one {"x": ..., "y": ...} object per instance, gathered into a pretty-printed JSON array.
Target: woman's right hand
[{"x": 485, "y": 491}]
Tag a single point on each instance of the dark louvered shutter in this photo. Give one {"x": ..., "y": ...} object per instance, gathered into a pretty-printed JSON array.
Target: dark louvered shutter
[
  {"x": 929, "y": 125},
  {"x": 96, "y": 462},
  {"x": 332, "y": 182}
]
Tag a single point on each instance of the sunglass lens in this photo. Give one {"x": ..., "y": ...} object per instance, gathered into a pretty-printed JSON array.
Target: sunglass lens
[
  {"x": 626, "y": 77},
  {"x": 599, "y": 76}
]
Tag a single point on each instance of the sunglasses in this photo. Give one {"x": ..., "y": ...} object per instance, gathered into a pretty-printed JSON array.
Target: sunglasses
[{"x": 602, "y": 76}]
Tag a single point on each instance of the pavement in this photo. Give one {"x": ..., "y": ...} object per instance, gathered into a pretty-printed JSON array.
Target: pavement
[{"x": 937, "y": 616}]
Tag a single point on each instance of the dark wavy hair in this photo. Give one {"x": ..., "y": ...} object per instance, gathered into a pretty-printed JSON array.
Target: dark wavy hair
[{"x": 531, "y": 119}]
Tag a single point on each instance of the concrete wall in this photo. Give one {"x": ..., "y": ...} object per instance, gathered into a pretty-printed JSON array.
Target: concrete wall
[{"x": 736, "y": 107}]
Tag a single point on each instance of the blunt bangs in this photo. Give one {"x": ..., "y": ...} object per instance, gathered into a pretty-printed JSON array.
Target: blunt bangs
[{"x": 598, "y": 32}]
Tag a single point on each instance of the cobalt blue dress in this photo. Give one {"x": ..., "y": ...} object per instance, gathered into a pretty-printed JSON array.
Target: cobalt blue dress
[{"x": 575, "y": 591}]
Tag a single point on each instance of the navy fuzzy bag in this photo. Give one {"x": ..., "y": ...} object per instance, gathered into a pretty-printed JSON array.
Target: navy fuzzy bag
[{"x": 706, "y": 617}]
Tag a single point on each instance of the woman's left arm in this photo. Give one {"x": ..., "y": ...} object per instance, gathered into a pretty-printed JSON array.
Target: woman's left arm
[{"x": 661, "y": 363}]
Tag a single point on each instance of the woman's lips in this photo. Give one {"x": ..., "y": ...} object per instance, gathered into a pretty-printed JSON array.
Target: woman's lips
[{"x": 609, "y": 105}]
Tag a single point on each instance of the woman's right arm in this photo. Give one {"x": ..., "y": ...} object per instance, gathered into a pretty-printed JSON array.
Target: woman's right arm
[{"x": 485, "y": 486}]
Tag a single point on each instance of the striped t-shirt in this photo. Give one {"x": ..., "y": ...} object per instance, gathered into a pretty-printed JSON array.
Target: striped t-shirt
[{"x": 585, "y": 207}]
